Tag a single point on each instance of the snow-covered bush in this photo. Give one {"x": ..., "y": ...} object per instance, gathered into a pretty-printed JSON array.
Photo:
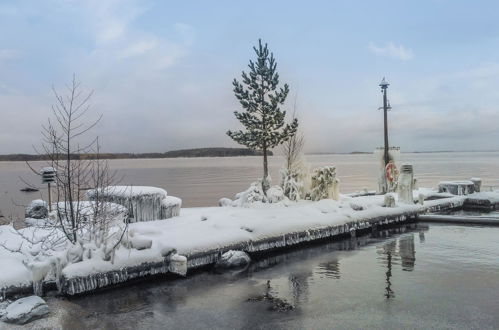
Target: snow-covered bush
[
  {"x": 255, "y": 194},
  {"x": 251, "y": 195},
  {"x": 275, "y": 194},
  {"x": 324, "y": 183},
  {"x": 293, "y": 183}
]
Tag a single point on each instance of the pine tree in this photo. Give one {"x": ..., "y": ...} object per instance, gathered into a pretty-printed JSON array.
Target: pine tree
[{"x": 260, "y": 98}]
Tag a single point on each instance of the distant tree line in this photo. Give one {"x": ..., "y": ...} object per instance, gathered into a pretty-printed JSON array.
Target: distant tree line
[{"x": 199, "y": 152}]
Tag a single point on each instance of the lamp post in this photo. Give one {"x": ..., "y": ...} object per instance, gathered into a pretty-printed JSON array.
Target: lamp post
[
  {"x": 386, "y": 106},
  {"x": 48, "y": 177}
]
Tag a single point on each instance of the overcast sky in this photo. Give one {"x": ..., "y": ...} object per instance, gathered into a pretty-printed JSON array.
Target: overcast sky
[{"x": 162, "y": 70}]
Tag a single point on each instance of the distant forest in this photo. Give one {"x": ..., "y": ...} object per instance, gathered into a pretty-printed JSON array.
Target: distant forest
[{"x": 199, "y": 152}]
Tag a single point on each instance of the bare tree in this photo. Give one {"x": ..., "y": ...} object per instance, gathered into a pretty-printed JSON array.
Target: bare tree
[
  {"x": 62, "y": 137},
  {"x": 78, "y": 167},
  {"x": 292, "y": 175},
  {"x": 91, "y": 227},
  {"x": 292, "y": 149}
]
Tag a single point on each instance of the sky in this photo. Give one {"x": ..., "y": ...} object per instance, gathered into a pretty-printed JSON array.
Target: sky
[{"x": 162, "y": 71}]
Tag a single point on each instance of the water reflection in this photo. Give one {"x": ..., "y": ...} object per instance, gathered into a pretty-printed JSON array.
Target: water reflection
[
  {"x": 330, "y": 269},
  {"x": 421, "y": 237},
  {"x": 277, "y": 288},
  {"x": 299, "y": 283},
  {"x": 407, "y": 252},
  {"x": 388, "y": 251},
  {"x": 398, "y": 251}
]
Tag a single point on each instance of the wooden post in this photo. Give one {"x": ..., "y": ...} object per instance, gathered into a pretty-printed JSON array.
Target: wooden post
[{"x": 50, "y": 199}]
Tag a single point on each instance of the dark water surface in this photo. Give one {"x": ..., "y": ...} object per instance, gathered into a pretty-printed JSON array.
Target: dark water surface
[{"x": 417, "y": 276}]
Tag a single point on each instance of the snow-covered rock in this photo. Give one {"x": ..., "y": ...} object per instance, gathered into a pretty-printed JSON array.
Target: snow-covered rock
[
  {"x": 389, "y": 200},
  {"x": 232, "y": 259},
  {"x": 37, "y": 209},
  {"x": 225, "y": 202},
  {"x": 25, "y": 310}
]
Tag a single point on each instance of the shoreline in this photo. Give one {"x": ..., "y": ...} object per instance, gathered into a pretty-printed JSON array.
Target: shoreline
[{"x": 206, "y": 250}]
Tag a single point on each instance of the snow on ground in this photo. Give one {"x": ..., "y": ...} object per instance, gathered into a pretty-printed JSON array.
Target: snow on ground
[
  {"x": 13, "y": 273},
  {"x": 201, "y": 229}
]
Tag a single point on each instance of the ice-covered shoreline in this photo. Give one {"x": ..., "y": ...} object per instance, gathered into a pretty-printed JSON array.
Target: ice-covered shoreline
[{"x": 202, "y": 234}]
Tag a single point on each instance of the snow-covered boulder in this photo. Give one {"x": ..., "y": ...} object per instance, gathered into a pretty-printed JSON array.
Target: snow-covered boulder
[
  {"x": 143, "y": 203},
  {"x": 232, "y": 259},
  {"x": 37, "y": 209},
  {"x": 225, "y": 202},
  {"x": 25, "y": 310}
]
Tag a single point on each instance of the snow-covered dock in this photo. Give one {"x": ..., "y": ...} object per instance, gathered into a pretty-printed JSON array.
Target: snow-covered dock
[{"x": 199, "y": 236}]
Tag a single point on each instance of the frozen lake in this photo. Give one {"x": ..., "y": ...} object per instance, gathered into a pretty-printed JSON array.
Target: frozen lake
[
  {"x": 419, "y": 276},
  {"x": 203, "y": 181}
]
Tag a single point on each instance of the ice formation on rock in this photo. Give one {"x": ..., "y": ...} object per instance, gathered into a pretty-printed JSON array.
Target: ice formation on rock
[
  {"x": 143, "y": 203},
  {"x": 231, "y": 259},
  {"x": 25, "y": 310},
  {"x": 37, "y": 209},
  {"x": 325, "y": 184}
]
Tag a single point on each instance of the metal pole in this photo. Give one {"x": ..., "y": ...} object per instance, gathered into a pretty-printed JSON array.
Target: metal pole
[
  {"x": 385, "y": 110},
  {"x": 50, "y": 199}
]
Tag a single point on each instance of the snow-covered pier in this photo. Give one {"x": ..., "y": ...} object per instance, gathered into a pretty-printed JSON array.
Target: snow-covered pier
[{"x": 199, "y": 236}]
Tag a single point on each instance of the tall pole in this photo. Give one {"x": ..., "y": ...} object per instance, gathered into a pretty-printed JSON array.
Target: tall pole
[
  {"x": 385, "y": 113},
  {"x": 384, "y": 86}
]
